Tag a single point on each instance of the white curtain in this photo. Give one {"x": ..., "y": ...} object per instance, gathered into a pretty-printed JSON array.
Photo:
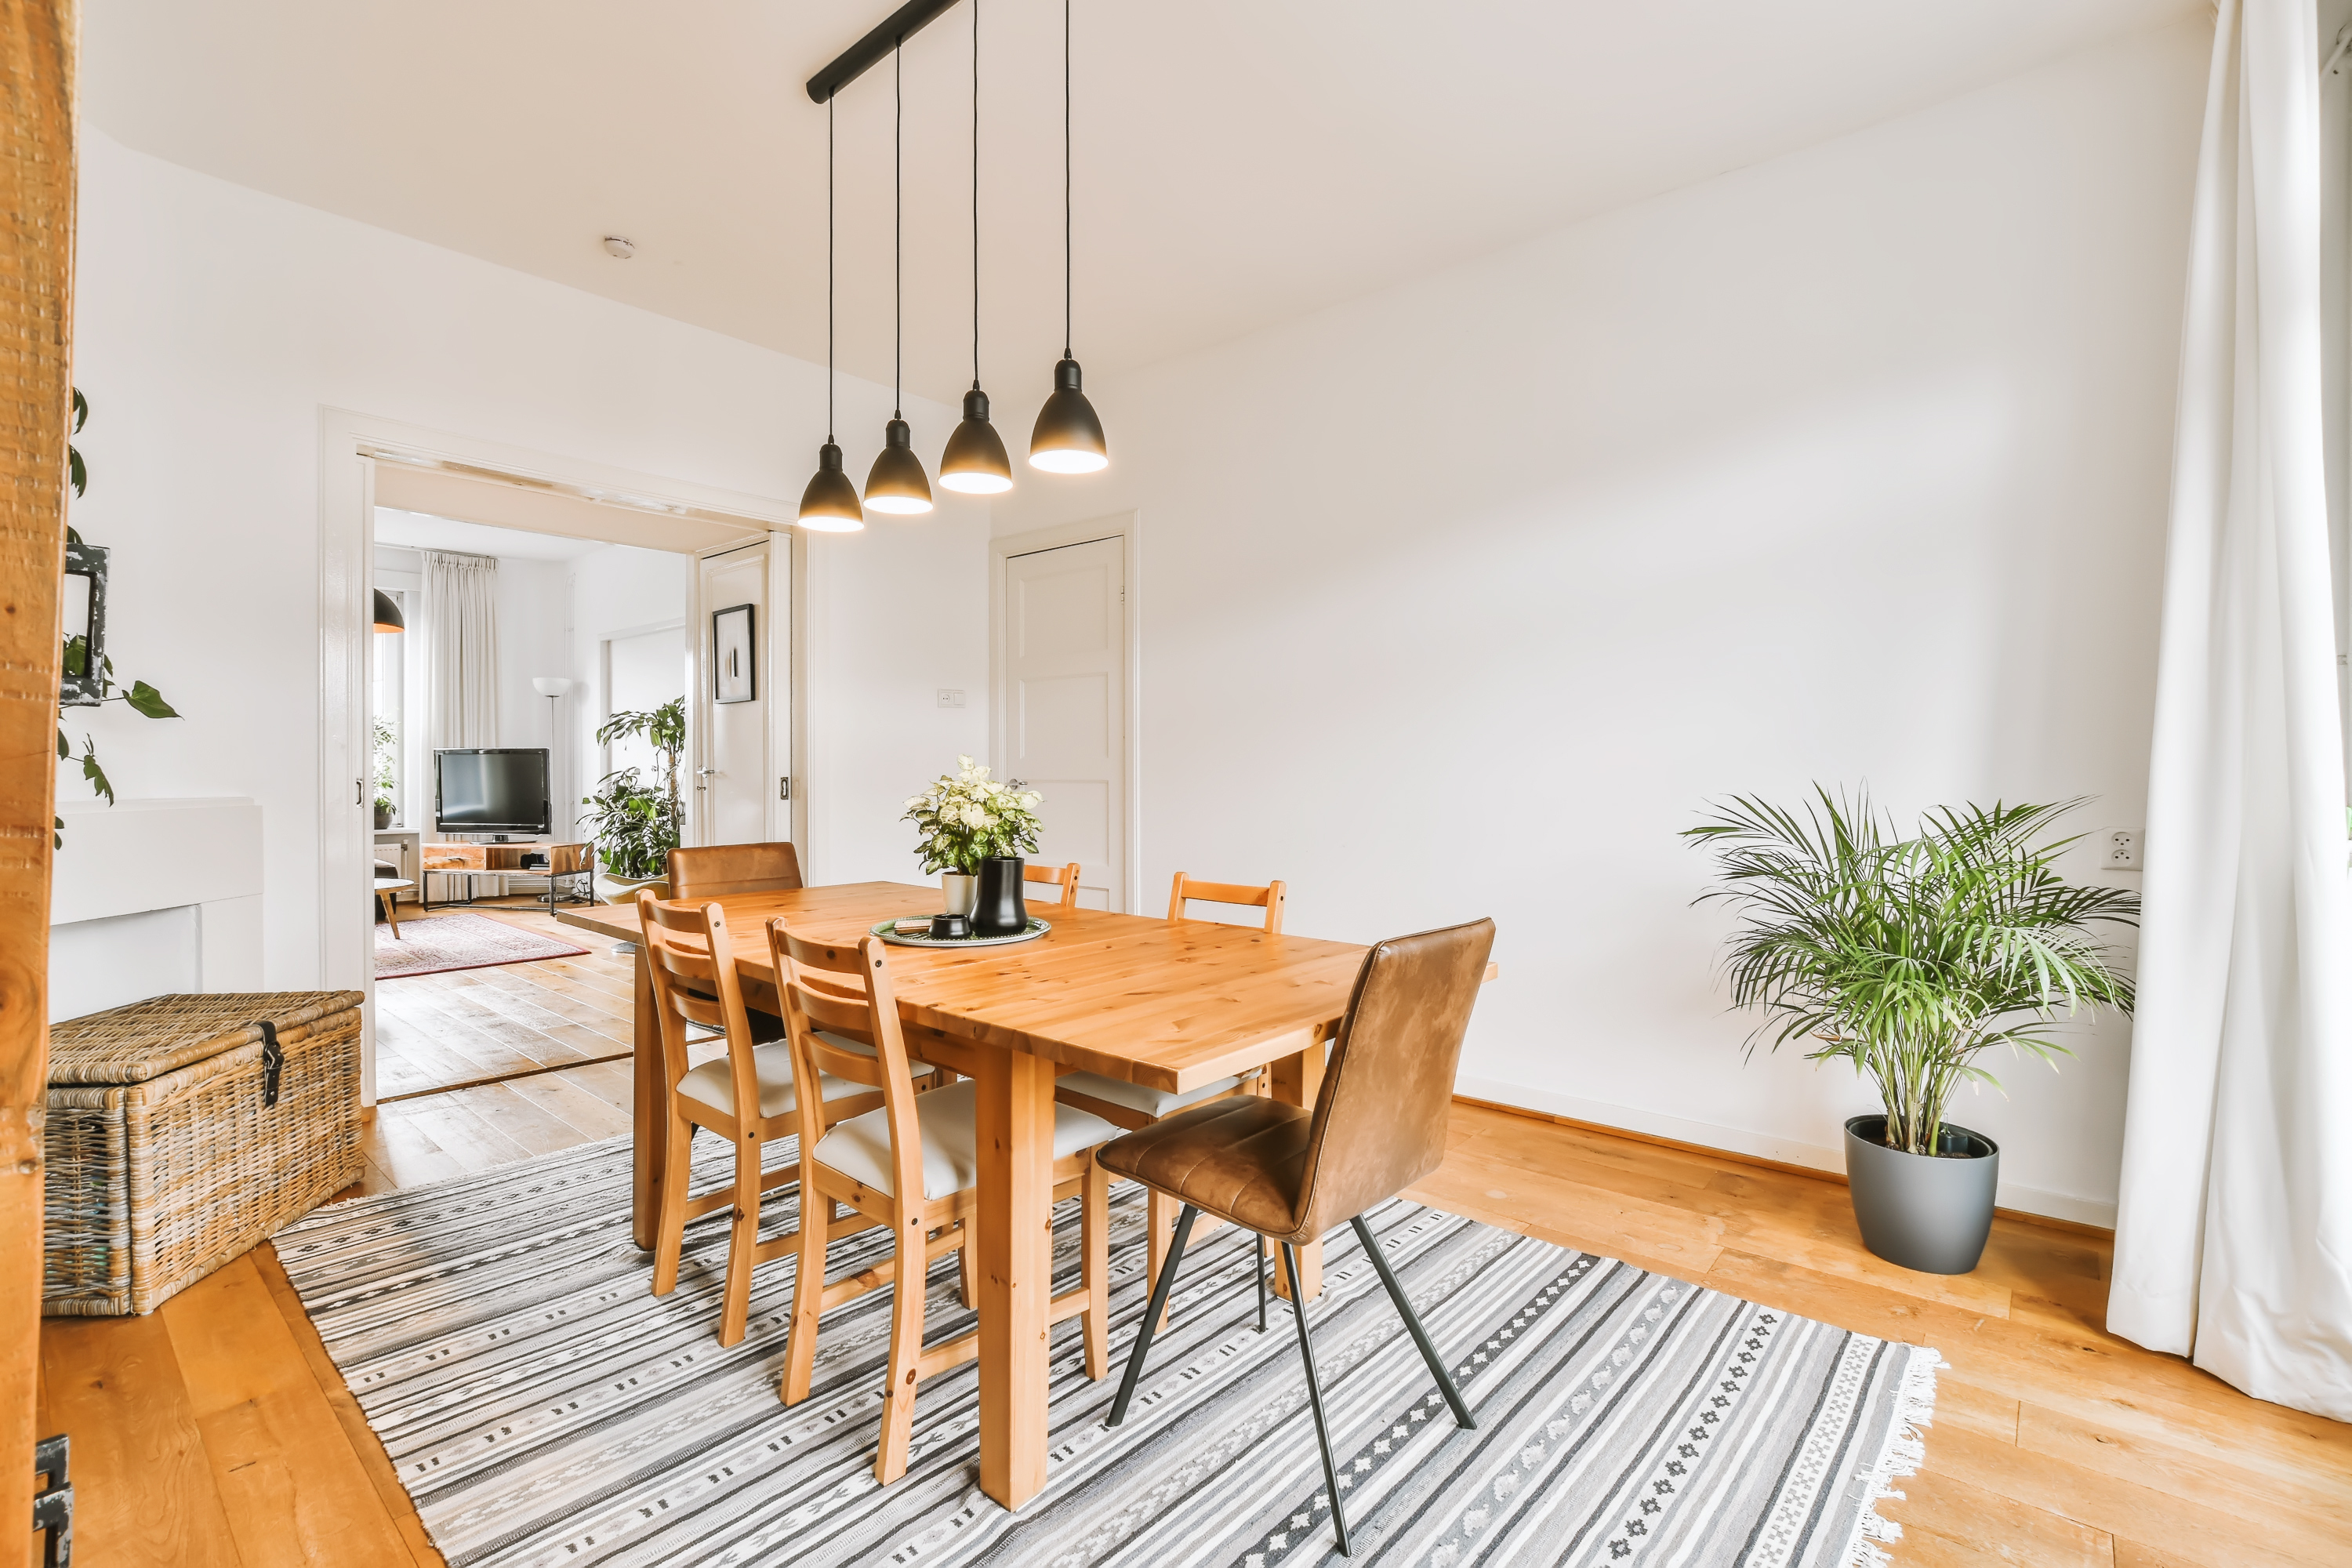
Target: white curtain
[
  {"x": 2233, "y": 1245},
  {"x": 461, "y": 610}
]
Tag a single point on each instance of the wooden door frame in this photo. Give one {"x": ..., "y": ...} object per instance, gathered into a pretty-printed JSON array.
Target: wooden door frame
[
  {"x": 38, "y": 37},
  {"x": 1128, "y": 528}
]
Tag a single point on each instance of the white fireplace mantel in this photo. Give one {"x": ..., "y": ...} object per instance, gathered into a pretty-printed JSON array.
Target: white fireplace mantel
[{"x": 153, "y": 895}]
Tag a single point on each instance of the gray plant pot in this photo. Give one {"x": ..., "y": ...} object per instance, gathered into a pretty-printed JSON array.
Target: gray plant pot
[{"x": 1928, "y": 1212}]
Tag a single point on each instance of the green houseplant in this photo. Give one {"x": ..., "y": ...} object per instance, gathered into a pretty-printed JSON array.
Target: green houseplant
[
  {"x": 1910, "y": 957},
  {"x": 386, "y": 757},
  {"x": 635, "y": 825},
  {"x": 965, "y": 819}
]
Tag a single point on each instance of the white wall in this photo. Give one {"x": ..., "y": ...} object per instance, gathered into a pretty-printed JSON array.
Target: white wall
[
  {"x": 1461, "y": 599},
  {"x": 213, "y": 323}
]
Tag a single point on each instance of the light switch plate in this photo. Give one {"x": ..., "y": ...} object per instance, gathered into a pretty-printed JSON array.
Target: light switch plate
[{"x": 950, "y": 698}]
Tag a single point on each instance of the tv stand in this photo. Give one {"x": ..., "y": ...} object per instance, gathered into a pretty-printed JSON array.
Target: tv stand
[{"x": 475, "y": 861}]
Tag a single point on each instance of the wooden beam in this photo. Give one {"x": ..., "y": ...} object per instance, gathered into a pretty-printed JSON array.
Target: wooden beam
[{"x": 37, "y": 256}]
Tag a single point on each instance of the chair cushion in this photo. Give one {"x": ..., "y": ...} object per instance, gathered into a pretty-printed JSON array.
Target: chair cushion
[
  {"x": 859, "y": 1148},
  {"x": 386, "y": 869},
  {"x": 1242, "y": 1159},
  {"x": 712, "y": 1084},
  {"x": 1154, "y": 1102}
]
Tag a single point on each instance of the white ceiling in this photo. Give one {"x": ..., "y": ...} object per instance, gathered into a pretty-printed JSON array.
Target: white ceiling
[
  {"x": 421, "y": 531},
  {"x": 1239, "y": 161}
]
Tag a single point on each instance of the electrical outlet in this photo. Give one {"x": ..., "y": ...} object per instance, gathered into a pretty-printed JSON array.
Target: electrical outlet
[
  {"x": 2119, "y": 848},
  {"x": 950, "y": 699}
]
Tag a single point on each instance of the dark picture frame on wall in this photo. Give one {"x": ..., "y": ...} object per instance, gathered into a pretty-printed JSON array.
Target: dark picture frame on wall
[
  {"x": 83, "y": 613},
  {"x": 734, "y": 673}
]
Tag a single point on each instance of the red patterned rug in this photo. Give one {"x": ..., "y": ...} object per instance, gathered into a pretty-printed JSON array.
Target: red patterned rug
[{"x": 443, "y": 942}]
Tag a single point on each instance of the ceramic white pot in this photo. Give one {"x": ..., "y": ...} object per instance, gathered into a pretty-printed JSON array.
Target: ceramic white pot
[
  {"x": 623, "y": 890},
  {"x": 960, "y": 893}
]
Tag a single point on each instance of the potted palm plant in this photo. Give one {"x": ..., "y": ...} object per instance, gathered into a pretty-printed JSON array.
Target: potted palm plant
[{"x": 1911, "y": 957}]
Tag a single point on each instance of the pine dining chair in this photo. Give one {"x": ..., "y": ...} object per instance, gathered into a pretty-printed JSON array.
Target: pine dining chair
[
  {"x": 911, "y": 1165},
  {"x": 1133, "y": 1107},
  {"x": 1063, "y": 877},
  {"x": 749, "y": 1097}
]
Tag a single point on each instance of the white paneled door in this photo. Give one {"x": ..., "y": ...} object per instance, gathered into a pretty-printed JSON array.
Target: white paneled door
[
  {"x": 740, "y": 745},
  {"x": 1064, "y": 706}
]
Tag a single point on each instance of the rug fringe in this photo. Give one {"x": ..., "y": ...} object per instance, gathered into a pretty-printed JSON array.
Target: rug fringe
[{"x": 1905, "y": 1451}]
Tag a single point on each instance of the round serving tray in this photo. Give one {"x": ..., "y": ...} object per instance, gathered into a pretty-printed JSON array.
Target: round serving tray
[{"x": 884, "y": 930}]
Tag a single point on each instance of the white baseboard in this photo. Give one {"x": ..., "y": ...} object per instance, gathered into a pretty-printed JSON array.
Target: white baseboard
[{"x": 1755, "y": 1145}]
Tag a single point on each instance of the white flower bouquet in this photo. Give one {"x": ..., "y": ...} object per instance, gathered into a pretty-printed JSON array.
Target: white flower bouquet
[{"x": 966, "y": 818}]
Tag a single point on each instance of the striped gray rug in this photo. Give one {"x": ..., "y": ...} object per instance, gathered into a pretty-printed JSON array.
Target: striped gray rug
[{"x": 542, "y": 1408}]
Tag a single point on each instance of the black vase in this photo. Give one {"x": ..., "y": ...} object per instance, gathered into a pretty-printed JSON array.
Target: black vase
[{"x": 1001, "y": 910}]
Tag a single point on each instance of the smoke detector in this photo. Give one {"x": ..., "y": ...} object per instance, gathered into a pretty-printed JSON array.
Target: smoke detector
[{"x": 614, "y": 246}]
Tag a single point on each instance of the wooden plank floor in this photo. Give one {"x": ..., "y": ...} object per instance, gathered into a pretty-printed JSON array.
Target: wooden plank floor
[
  {"x": 217, "y": 1431},
  {"x": 435, "y": 1032}
]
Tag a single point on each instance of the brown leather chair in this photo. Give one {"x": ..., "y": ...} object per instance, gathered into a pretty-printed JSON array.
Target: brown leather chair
[
  {"x": 716, "y": 871},
  {"x": 1291, "y": 1174}
]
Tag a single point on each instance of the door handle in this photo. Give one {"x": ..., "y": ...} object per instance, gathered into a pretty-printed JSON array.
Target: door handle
[{"x": 704, "y": 772}]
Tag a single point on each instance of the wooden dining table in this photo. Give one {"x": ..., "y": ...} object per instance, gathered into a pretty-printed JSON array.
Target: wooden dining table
[{"x": 1169, "y": 1005}]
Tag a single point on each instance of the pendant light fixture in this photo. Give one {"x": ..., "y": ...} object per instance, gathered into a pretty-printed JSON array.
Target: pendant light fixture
[
  {"x": 974, "y": 462},
  {"x": 829, "y": 505},
  {"x": 896, "y": 482},
  {"x": 1068, "y": 439}
]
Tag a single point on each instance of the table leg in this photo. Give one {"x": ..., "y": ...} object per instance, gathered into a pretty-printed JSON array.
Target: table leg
[
  {"x": 648, "y": 1119},
  {"x": 1297, "y": 1081},
  {"x": 1016, "y": 1126}
]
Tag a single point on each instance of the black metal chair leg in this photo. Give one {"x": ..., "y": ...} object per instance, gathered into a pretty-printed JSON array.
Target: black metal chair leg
[
  {"x": 1257, "y": 1267},
  {"x": 1314, "y": 1392},
  {"x": 1462, "y": 1417},
  {"x": 1184, "y": 1217}
]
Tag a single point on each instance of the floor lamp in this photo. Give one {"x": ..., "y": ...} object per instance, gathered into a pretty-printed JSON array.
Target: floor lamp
[{"x": 552, "y": 688}]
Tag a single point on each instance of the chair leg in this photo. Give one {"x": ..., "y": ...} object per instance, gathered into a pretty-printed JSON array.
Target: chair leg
[
  {"x": 1152, "y": 1313},
  {"x": 743, "y": 1241},
  {"x": 1462, "y": 1417},
  {"x": 808, "y": 1288},
  {"x": 1314, "y": 1392},
  {"x": 1094, "y": 1248},
  {"x": 906, "y": 1355},
  {"x": 1160, "y": 1216},
  {"x": 669, "y": 1229},
  {"x": 1257, "y": 1267},
  {"x": 967, "y": 1268}
]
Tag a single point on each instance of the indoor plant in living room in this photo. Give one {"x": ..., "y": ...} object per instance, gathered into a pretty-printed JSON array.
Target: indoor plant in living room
[
  {"x": 973, "y": 829},
  {"x": 1910, "y": 957},
  {"x": 634, "y": 824}
]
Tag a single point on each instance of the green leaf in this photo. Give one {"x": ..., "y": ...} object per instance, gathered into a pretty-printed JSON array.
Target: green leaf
[
  {"x": 58, "y": 835},
  {"x": 149, "y": 701},
  {"x": 98, "y": 783},
  {"x": 64, "y": 750},
  {"x": 76, "y": 655},
  {"x": 75, "y": 472},
  {"x": 81, "y": 410}
]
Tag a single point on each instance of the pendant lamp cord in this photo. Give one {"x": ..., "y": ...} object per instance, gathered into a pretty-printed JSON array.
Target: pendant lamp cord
[
  {"x": 828, "y": 271},
  {"x": 1066, "y": 179},
  {"x": 897, "y": 230},
  {"x": 975, "y": 196}
]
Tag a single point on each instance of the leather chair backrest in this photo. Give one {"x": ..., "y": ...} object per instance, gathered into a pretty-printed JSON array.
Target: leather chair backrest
[
  {"x": 716, "y": 871},
  {"x": 1379, "y": 1121}
]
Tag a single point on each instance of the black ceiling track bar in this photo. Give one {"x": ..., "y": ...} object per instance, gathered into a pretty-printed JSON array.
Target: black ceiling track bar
[{"x": 875, "y": 46}]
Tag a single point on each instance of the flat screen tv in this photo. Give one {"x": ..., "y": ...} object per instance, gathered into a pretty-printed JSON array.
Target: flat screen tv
[{"x": 491, "y": 789}]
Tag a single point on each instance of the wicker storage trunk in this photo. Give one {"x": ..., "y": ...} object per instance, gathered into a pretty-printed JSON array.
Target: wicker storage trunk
[{"x": 167, "y": 1157}]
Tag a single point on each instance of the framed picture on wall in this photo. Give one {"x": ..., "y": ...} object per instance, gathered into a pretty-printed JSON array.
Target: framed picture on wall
[{"x": 732, "y": 677}]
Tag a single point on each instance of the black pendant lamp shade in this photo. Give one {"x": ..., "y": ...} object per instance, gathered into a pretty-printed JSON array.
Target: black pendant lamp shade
[
  {"x": 1068, "y": 439},
  {"x": 975, "y": 461},
  {"x": 829, "y": 505},
  {"x": 387, "y": 614},
  {"x": 897, "y": 484}
]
